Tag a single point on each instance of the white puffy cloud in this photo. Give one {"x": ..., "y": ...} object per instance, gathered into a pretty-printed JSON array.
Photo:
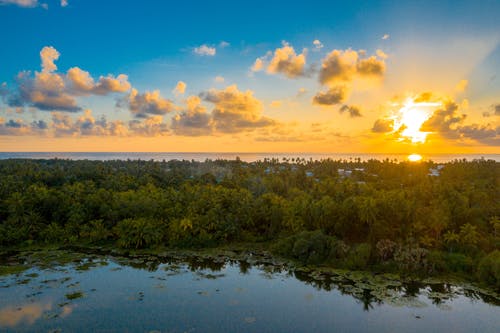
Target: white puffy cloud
[
  {"x": 49, "y": 90},
  {"x": 205, "y": 50},
  {"x": 385, "y": 37},
  {"x": 64, "y": 3},
  {"x": 48, "y": 55},
  {"x": 317, "y": 44},
  {"x": 83, "y": 83}
]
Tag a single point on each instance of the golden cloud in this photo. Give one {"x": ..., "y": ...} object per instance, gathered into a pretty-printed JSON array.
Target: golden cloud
[
  {"x": 332, "y": 96},
  {"x": 287, "y": 62},
  {"x": 147, "y": 103},
  {"x": 343, "y": 66}
]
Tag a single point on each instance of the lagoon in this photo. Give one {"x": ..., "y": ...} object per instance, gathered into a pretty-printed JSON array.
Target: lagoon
[{"x": 67, "y": 292}]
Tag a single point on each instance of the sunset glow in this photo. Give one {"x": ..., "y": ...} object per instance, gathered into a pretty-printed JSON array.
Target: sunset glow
[
  {"x": 411, "y": 117},
  {"x": 320, "y": 82},
  {"x": 414, "y": 158}
]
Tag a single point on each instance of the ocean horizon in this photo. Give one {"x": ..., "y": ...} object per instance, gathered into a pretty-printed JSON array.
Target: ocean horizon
[{"x": 246, "y": 157}]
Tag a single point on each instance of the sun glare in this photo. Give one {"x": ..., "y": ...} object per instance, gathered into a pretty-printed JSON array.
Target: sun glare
[
  {"x": 414, "y": 158},
  {"x": 411, "y": 117}
]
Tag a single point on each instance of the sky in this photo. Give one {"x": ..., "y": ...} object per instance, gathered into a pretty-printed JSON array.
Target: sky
[{"x": 260, "y": 76}]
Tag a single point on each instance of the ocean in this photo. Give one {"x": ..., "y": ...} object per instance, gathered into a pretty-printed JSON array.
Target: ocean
[{"x": 247, "y": 157}]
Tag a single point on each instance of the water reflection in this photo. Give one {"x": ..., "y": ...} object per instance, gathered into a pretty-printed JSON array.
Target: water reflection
[
  {"x": 114, "y": 286},
  {"x": 11, "y": 316}
]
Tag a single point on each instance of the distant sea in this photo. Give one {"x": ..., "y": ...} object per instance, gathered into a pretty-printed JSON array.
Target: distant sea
[{"x": 247, "y": 157}]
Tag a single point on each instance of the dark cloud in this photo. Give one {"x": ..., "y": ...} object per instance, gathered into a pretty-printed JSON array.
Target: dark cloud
[
  {"x": 482, "y": 133},
  {"x": 194, "y": 120},
  {"x": 383, "y": 126},
  {"x": 353, "y": 110},
  {"x": 447, "y": 121},
  {"x": 444, "y": 120},
  {"x": 332, "y": 96},
  {"x": 151, "y": 126},
  {"x": 40, "y": 124}
]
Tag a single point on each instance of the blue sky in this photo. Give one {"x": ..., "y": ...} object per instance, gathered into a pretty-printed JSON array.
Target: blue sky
[{"x": 428, "y": 46}]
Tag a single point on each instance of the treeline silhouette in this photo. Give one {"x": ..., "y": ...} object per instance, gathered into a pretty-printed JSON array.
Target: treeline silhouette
[{"x": 384, "y": 215}]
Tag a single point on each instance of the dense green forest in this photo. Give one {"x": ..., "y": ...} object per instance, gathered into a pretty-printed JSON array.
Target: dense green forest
[{"x": 420, "y": 218}]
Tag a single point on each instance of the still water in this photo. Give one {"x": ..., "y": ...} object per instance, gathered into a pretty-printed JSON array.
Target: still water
[{"x": 116, "y": 294}]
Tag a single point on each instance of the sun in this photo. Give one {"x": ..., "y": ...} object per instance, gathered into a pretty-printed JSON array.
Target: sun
[
  {"x": 414, "y": 158},
  {"x": 410, "y": 118}
]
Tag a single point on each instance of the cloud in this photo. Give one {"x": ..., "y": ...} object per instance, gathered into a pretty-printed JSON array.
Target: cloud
[
  {"x": 343, "y": 66},
  {"x": 87, "y": 125},
  {"x": 383, "y": 126},
  {"x": 48, "y": 55},
  {"x": 194, "y": 120},
  {"x": 287, "y": 62},
  {"x": 447, "y": 122},
  {"x": 353, "y": 110},
  {"x": 45, "y": 91},
  {"x": 444, "y": 120},
  {"x": 83, "y": 83},
  {"x": 63, "y": 125},
  {"x": 180, "y": 88},
  {"x": 151, "y": 126},
  {"x": 497, "y": 110},
  {"x": 49, "y": 90},
  {"x": 19, "y": 127},
  {"x": 20, "y": 3},
  {"x": 219, "y": 79},
  {"x": 340, "y": 68},
  {"x": 483, "y": 133},
  {"x": 385, "y": 37},
  {"x": 205, "y": 50},
  {"x": 224, "y": 44},
  {"x": 64, "y": 3},
  {"x": 317, "y": 44},
  {"x": 142, "y": 105},
  {"x": 235, "y": 111},
  {"x": 461, "y": 86},
  {"x": 258, "y": 65},
  {"x": 332, "y": 96}
]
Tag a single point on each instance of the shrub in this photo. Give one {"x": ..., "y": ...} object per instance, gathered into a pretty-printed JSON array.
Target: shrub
[
  {"x": 488, "y": 270},
  {"x": 309, "y": 247},
  {"x": 53, "y": 233},
  {"x": 358, "y": 257}
]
